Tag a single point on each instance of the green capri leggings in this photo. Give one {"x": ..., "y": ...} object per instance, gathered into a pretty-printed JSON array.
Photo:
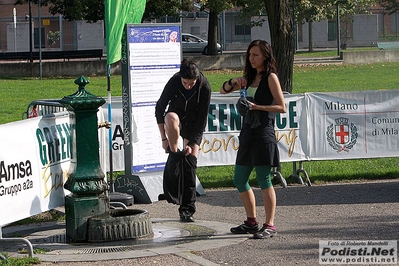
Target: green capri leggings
[{"x": 242, "y": 172}]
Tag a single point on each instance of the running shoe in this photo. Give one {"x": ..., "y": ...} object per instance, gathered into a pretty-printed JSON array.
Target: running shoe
[
  {"x": 245, "y": 229},
  {"x": 266, "y": 231}
]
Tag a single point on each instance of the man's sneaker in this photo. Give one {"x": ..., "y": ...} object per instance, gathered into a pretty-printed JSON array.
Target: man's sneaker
[
  {"x": 245, "y": 229},
  {"x": 186, "y": 217},
  {"x": 266, "y": 231}
]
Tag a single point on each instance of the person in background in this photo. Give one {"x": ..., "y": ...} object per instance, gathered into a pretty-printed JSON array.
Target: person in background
[
  {"x": 258, "y": 145},
  {"x": 187, "y": 97}
]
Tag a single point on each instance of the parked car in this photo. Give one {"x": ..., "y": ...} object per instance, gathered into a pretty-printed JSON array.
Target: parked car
[{"x": 193, "y": 44}]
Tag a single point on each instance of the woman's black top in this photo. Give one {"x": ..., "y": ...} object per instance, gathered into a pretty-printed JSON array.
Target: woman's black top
[{"x": 258, "y": 146}]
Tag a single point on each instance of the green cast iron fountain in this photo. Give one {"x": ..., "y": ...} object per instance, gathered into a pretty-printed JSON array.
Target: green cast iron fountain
[{"x": 88, "y": 215}]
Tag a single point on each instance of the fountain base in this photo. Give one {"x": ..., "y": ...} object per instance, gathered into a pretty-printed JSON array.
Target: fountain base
[{"x": 119, "y": 224}]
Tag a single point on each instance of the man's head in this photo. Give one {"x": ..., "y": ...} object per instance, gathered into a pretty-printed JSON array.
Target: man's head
[{"x": 189, "y": 73}]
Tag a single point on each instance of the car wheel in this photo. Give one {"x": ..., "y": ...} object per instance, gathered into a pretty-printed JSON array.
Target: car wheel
[{"x": 205, "y": 52}]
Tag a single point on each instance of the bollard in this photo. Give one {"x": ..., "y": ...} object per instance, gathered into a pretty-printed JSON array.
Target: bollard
[{"x": 85, "y": 177}]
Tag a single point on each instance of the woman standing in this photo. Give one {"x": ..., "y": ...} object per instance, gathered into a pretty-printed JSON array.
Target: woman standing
[{"x": 258, "y": 145}]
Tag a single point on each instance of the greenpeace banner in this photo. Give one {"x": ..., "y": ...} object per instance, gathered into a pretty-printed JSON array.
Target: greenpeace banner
[
  {"x": 35, "y": 156},
  {"x": 317, "y": 126},
  {"x": 220, "y": 141},
  {"x": 291, "y": 130},
  {"x": 351, "y": 125}
]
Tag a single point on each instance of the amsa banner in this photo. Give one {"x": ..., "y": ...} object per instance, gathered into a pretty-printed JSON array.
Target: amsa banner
[
  {"x": 35, "y": 157},
  {"x": 220, "y": 141},
  {"x": 34, "y": 161},
  {"x": 351, "y": 125}
]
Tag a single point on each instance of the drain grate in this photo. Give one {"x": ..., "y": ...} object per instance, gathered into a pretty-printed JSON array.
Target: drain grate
[{"x": 100, "y": 250}]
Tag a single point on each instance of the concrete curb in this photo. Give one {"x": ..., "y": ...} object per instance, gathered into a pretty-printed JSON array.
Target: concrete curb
[{"x": 170, "y": 237}]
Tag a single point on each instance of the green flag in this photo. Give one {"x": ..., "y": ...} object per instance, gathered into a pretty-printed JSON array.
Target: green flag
[{"x": 117, "y": 14}]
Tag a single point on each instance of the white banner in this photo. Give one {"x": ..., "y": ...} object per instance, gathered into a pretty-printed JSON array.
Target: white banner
[
  {"x": 220, "y": 141},
  {"x": 116, "y": 143},
  {"x": 291, "y": 130},
  {"x": 35, "y": 156},
  {"x": 351, "y": 125},
  {"x": 34, "y": 163},
  {"x": 35, "y": 153}
]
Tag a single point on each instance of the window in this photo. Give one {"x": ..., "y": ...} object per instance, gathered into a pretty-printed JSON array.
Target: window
[
  {"x": 332, "y": 30},
  {"x": 195, "y": 30},
  {"x": 242, "y": 30},
  {"x": 42, "y": 37}
]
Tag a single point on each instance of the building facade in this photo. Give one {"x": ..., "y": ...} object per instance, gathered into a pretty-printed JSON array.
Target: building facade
[{"x": 19, "y": 30}]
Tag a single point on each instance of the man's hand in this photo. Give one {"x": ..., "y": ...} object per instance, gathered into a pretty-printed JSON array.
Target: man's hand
[
  {"x": 165, "y": 145},
  {"x": 189, "y": 150}
]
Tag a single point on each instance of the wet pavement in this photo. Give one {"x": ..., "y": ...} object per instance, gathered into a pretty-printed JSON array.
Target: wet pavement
[{"x": 304, "y": 215}]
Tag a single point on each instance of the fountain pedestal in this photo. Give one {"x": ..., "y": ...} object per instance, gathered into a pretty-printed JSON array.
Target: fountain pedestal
[{"x": 87, "y": 208}]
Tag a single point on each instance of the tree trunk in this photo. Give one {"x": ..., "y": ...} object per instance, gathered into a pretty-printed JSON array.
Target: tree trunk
[
  {"x": 212, "y": 33},
  {"x": 282, "y": 39}
]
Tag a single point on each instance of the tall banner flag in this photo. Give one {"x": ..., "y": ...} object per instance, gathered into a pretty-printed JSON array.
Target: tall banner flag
[{"x": 117, "y": 14}]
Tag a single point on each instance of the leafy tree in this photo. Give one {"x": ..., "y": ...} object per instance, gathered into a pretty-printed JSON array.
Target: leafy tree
[
  {"x": 281, "y": 27},
  {"x": 159, "y": 8},
  {"x": 317, "y": 10},
  {"x": 89, "y": 10},
  {"x": 93, "y": 10},
  {"x": 215, "y": 8},
  {"x": 392, "y": 6}
]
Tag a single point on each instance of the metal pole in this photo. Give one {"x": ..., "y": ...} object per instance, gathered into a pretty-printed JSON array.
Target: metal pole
[
  {"x": 111, "y": 168},
  {"x": 338, "y": 32},
  {"x": 14, "y": 12},
  {"x": 40, "y": 42},
  {"x": 61, "y": 34},
  {"x": 224, "y": 30},
  {"x": 30, "y": 32},
  {"x": 396, "y": 25}
]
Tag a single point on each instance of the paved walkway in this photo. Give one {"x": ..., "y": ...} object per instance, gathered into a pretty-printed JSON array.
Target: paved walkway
[{"x": 305, "y": 215}]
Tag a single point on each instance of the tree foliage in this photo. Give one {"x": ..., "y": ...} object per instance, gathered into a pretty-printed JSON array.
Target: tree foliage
[
  {"x": 93, "y": 10},
  {"x": 89, "y": 10},
  {"x": 392, "y": 6},
  {"x": 316, "y": 10},
  {"x": 156, "y": 9}
]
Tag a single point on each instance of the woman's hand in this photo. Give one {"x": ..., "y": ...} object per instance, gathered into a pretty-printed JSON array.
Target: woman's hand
[
  {"x": 241, "y": 82},
  {"x": 252, "y": 106},
  {"x": 233, "y": 84}
]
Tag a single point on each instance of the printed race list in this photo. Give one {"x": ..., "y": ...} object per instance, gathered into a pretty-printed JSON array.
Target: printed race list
[{"x": 154, "y": 57}]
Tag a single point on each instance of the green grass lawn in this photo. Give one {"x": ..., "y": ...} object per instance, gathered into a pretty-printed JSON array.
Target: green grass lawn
[{"x": 17, "y": 93}]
